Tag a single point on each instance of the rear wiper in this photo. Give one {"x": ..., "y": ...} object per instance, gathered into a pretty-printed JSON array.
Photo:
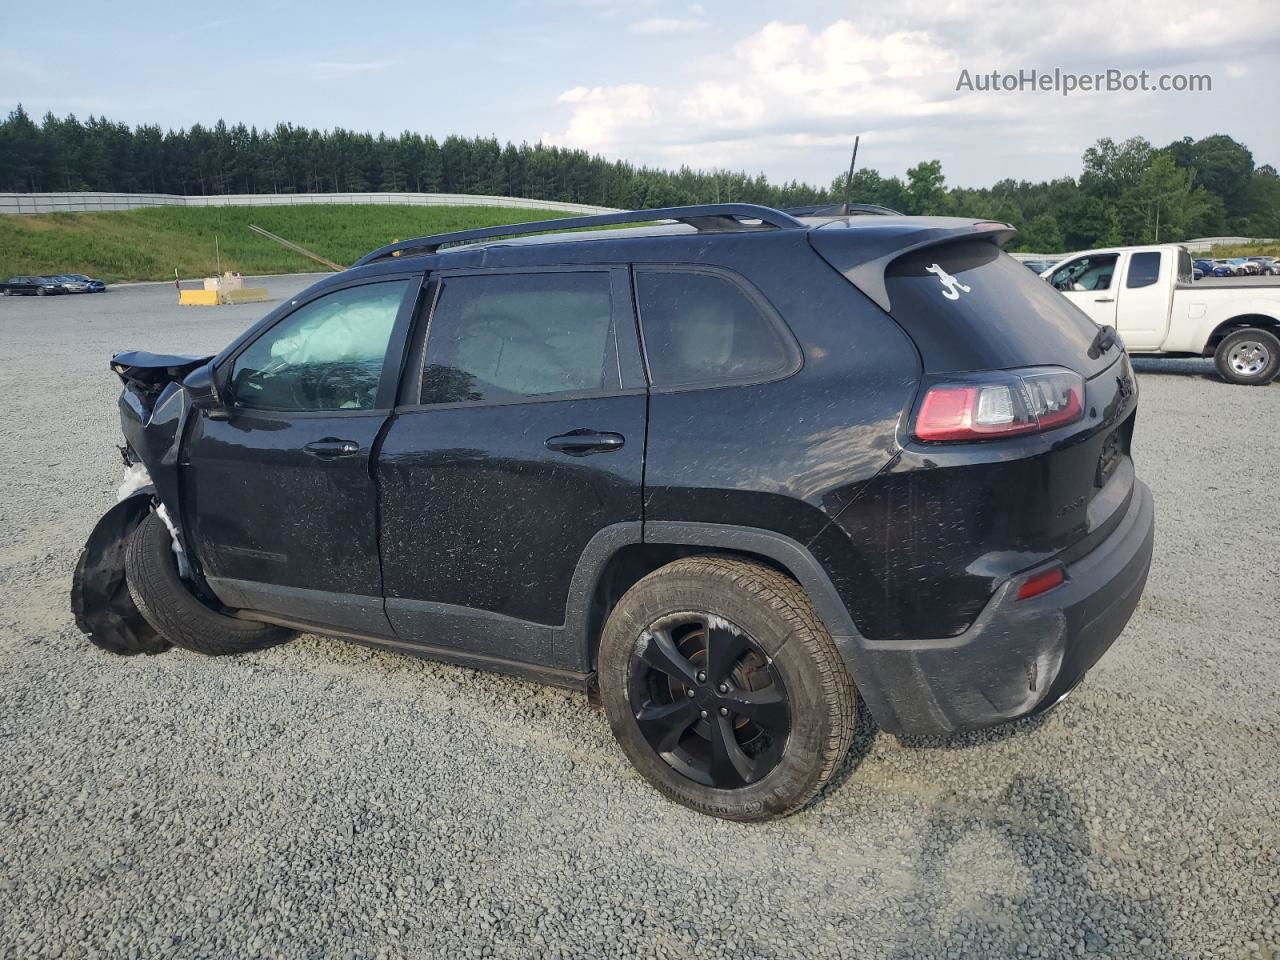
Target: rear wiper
[{"x": 1104, "y": 340}]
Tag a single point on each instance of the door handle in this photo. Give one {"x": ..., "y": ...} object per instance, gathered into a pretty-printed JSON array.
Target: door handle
[
  {"x": 331, "y": 448},
  {"x": 1104, "y": 299},
  {"x": 582, "y": 442}
]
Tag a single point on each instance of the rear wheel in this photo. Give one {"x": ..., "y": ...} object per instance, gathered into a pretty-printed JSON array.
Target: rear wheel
[
  {"x": 40, "y": 291},
  {"x": 167, "y": 603},
  {"x": 724, "y": 689},
  {"x": 1250, "y": 356}
]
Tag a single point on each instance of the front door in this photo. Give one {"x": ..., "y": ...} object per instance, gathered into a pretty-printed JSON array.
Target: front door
[
  {"x": 526, "y": 438},
  {"x": 1090, "y": 282},
  {"x": 279, "y": 496}
]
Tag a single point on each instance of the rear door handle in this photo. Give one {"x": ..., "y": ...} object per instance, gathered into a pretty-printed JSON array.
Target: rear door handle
[
  {"x": 1104, "y": 299},
  {"x": 331, "y": 448},
  {"x": 583, "y": 442}
]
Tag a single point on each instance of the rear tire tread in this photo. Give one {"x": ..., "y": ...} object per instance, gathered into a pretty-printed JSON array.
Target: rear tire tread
[{"x": 787, "y": 599}]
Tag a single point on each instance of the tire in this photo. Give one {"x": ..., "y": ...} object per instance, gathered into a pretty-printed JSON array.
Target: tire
[
  {"x": 1250, "y": 356},
  {"x": 40, "y": 292},
  {"x": 675, "y": 726},
  {"x": 162, "y": 597}
]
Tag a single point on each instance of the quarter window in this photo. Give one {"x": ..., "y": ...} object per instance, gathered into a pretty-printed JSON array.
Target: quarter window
[
  {"x": 326, "y": 355},
  {"x": 507, "y": 336},
  {"x": 1144, "y": 269},
  {"x": 701, "y": 328}
]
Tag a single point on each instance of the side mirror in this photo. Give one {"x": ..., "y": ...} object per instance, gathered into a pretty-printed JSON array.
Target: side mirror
[{"x": 202, "y": 384}]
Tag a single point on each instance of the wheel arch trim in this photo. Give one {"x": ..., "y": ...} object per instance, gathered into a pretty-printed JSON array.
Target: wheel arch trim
[{"x": 789, "y": 554}]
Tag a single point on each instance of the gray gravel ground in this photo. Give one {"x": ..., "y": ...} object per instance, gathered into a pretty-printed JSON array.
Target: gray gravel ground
[{"x": 324, "y": 800}]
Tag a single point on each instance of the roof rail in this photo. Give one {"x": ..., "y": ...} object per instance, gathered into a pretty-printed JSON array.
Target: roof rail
[
  {"x": 707, "y": 216},
  {"x": 841, "y": 210}
]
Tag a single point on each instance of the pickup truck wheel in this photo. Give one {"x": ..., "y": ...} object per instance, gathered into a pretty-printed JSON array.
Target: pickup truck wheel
[
  {"x": 1250, "y": 356},
  {"x": 724, "y": 689},
  {"x": 165, "y": 601}
]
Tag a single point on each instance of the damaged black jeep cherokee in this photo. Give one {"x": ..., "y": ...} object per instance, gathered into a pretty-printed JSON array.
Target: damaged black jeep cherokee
[{"x": 736, "y": 470}]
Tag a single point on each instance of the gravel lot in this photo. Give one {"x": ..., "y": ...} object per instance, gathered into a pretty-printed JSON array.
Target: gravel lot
[{"x": 326, "y": 800}]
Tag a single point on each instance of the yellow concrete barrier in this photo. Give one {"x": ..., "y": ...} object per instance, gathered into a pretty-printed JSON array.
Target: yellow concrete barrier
[{"x": 197, "y": 298}]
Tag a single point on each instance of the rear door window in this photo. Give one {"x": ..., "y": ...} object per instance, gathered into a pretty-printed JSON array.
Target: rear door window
[
  {"x": 702, "y": 328},
  {"x": 1144, "y": 270},
  {"x": 517, "y": 336}
]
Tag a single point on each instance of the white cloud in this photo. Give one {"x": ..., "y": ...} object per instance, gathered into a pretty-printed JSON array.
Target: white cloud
[
  {"x": 665, "y": 25},
  {"x": 787, "y": 96},
  {"x": 599, "y": 113}
]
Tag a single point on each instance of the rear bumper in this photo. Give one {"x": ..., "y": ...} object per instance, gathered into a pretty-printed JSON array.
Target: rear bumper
[{"x": 1019, "y": 656}]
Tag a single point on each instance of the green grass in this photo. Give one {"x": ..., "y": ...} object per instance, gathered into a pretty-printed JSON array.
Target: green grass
[
  {"x": 148, "y": 244},
  {"x": 1241, "y": 250}
]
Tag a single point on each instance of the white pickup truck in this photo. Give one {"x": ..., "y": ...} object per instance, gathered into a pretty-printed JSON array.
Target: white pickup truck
[{"x": 1148, "y": 296}]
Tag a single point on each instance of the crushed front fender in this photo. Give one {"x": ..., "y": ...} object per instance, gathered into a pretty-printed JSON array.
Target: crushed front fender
[{"x": 100, "y": 599}]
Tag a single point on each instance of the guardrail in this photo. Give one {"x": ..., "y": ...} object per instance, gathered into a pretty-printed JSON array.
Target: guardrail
[{"x": 91, "y": 202}]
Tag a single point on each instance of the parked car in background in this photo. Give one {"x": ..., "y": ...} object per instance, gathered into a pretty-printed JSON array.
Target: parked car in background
[
  {"x": 1204, "y": 266},
  {"x": 1196, "y": 273},
  {"x": 1143, "y": 293},
  {"x": 1244, "y": 266},
  {"x": 79, "y": 283},
  {"x": 1037, "y": 266},
  {"x": 1225, "y": 268},
  {"x": 541, "y": 492},
  {"x": 33, "y": 286},
  {"x": 1267, "y": 266}
]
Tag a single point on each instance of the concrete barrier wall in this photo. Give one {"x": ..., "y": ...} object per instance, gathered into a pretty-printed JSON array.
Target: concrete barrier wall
[{"x": 88, "y": 202}]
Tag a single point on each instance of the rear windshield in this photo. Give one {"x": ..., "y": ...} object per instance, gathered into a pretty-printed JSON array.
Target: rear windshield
[{"x": 970, "y": 306}]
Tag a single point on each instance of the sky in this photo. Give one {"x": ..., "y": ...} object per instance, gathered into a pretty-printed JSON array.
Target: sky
[{"x": 774, "y": 87}]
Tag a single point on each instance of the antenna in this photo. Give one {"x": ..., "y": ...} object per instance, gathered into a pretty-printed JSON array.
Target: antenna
[{"x": 848, "y": 183}]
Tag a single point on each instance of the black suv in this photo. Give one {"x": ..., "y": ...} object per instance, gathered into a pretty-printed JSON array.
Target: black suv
[{"x": 733, "y": 471}]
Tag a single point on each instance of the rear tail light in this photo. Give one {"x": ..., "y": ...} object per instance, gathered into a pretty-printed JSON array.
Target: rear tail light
[{"x": 1001, "y": 405}]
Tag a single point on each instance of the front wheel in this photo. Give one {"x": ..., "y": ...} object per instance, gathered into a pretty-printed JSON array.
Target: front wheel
[
  {"x": 1250, "y": 356},
  {"x": 724, "y": 689},
  {"x": 166, "y": 601}
]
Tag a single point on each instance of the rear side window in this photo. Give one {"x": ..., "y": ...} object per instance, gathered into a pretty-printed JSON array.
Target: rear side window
[
  {"x": 1185, "y": 267},
  {"x": 1144, "y": 270},
  {"x": 702, "y": 329},
  {"x": 517, "y": 336}
]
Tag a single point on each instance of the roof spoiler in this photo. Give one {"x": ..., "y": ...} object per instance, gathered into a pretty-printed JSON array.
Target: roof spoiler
[
  {"x": 708, "y": 216},
  {"x": 863, "y": 251}
]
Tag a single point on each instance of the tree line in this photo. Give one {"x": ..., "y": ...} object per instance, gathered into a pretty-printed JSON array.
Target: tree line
[{"x": 1128, "y": 192}]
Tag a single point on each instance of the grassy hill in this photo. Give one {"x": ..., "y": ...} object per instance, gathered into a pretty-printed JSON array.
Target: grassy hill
[{"x": 149, "y": 244}]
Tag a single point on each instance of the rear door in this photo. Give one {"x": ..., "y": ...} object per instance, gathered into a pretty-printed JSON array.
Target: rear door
[{"x": 521, "y": 438}]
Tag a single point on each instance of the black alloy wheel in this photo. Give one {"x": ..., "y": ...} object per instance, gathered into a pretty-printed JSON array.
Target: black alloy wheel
[{"x": 708, "y": 700}]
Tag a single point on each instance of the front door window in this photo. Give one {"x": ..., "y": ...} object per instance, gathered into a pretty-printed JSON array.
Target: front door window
[{"x": 326, "y": 355}]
